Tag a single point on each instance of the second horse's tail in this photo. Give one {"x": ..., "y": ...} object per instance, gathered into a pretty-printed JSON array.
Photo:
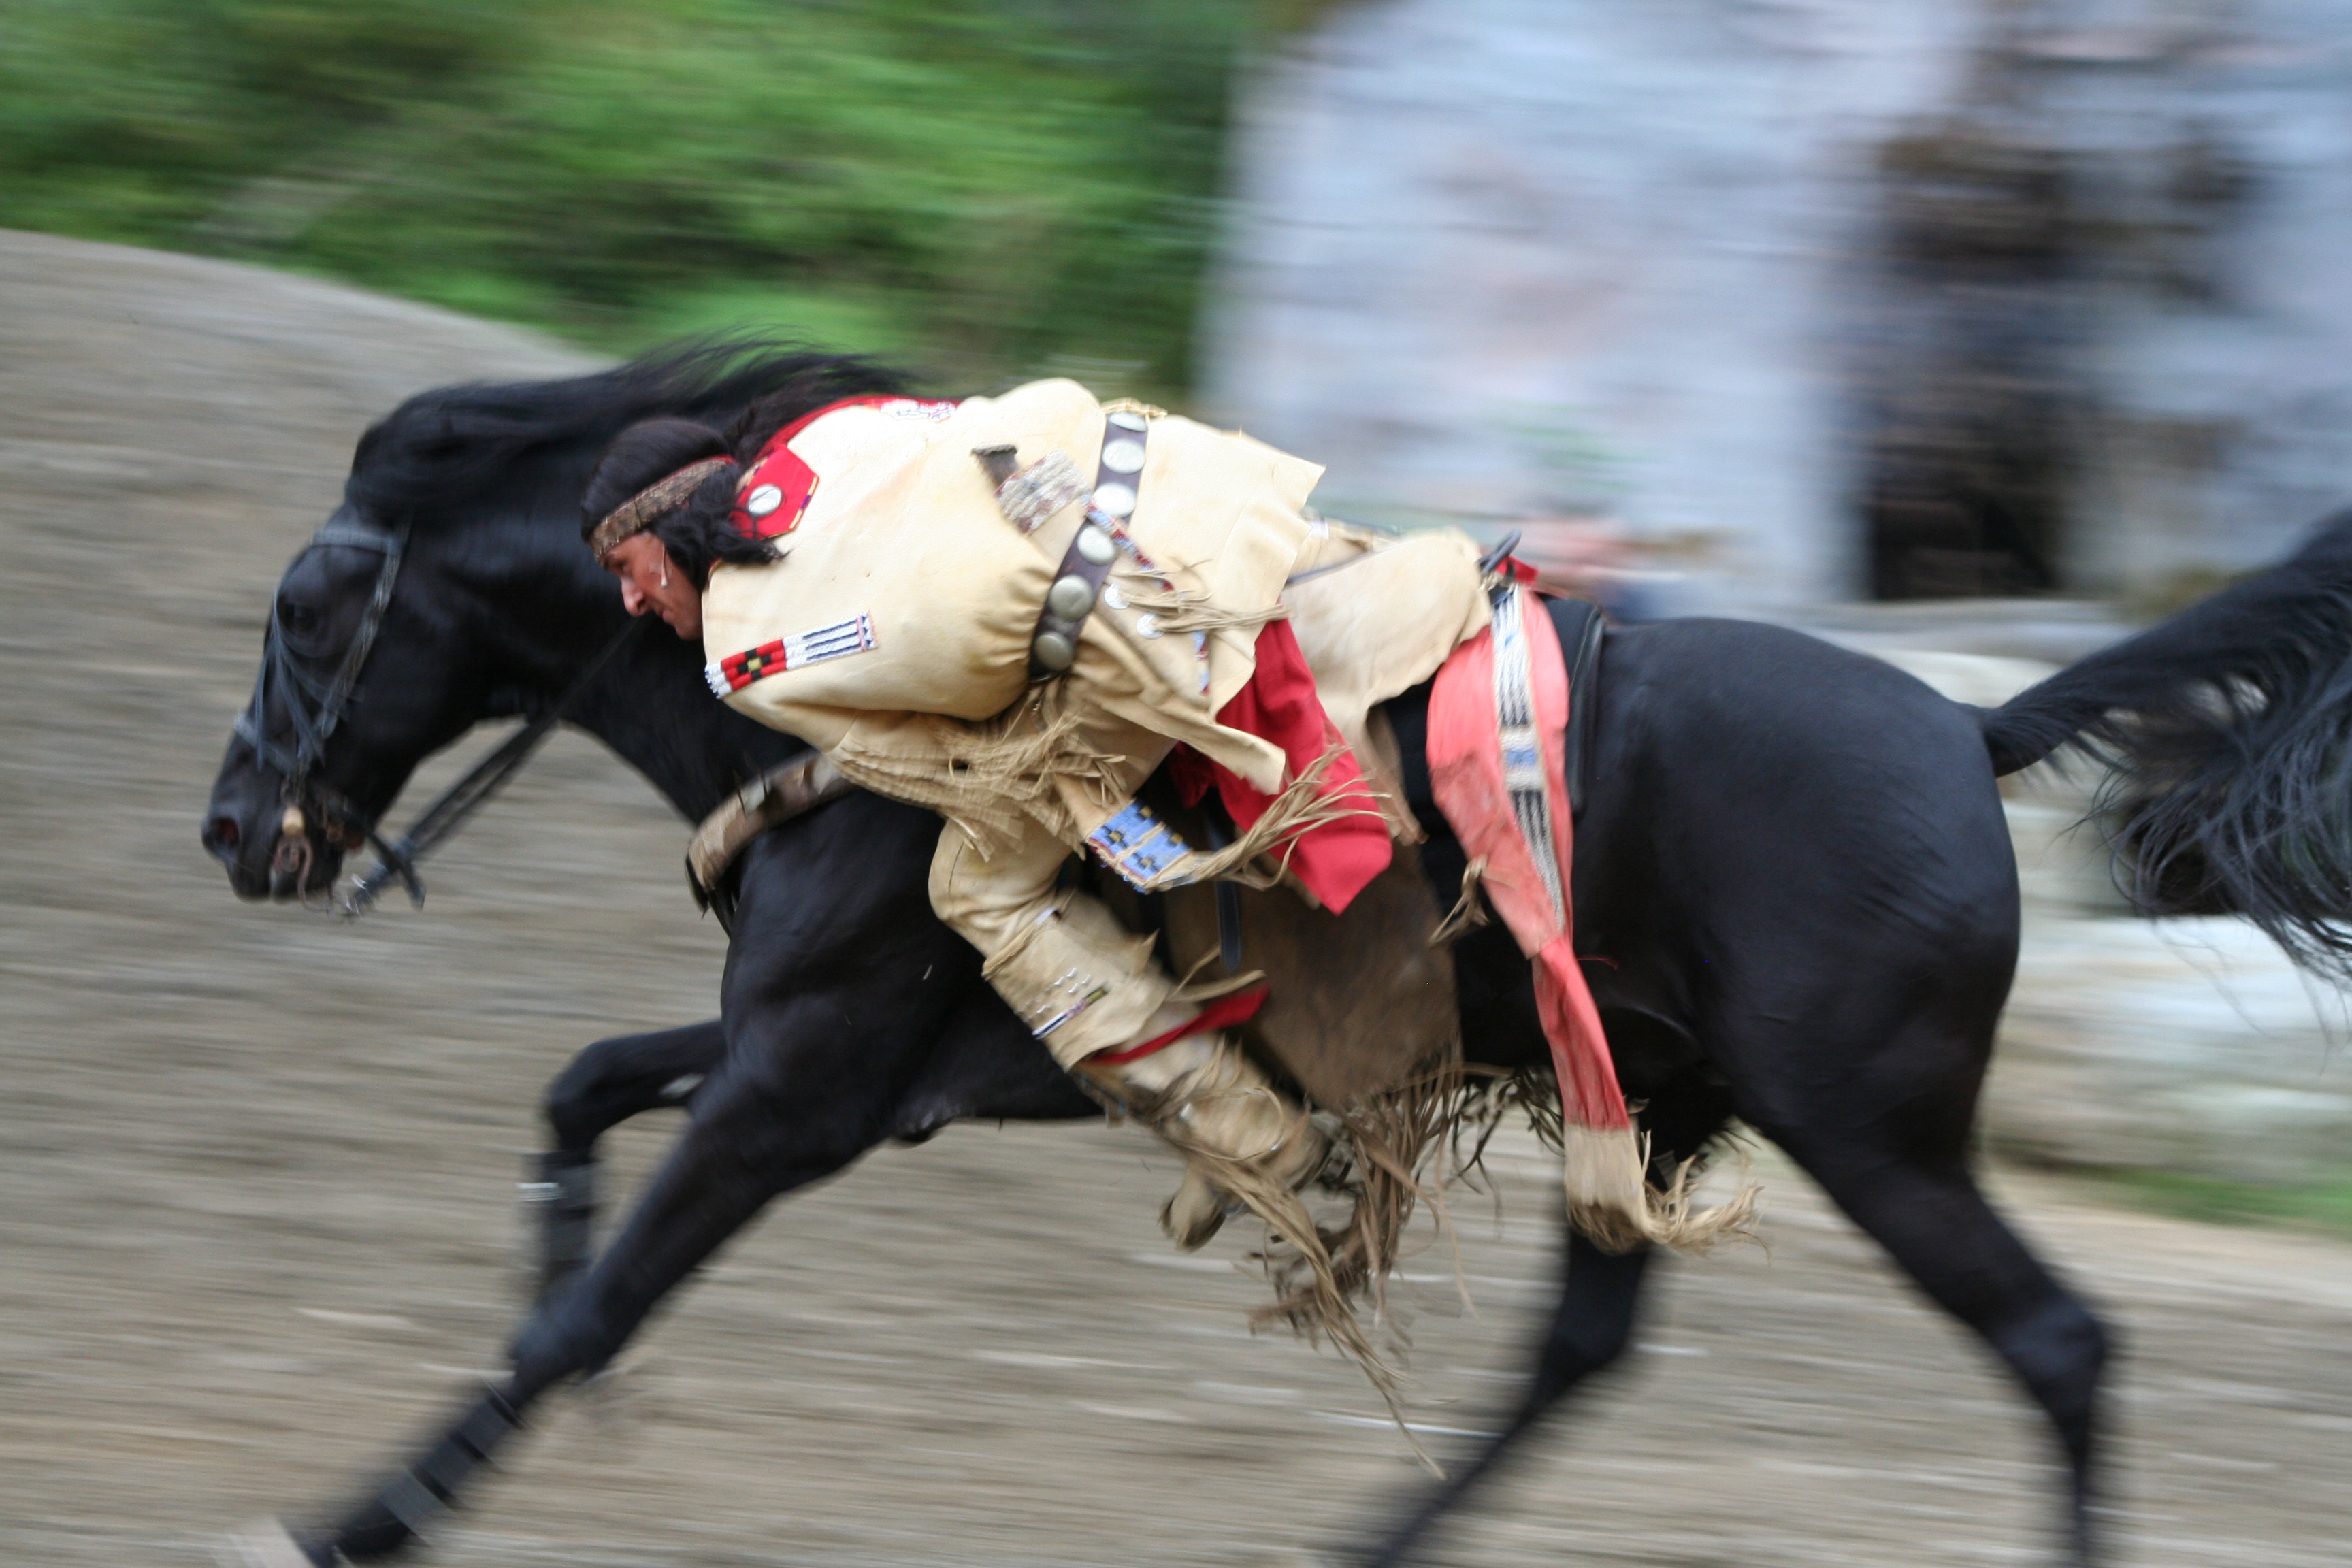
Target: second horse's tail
[{"x": 2226, "y": 736}]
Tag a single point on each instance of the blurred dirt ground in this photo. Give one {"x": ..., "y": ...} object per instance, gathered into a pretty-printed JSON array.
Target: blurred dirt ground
[{"x": 256, "y": 1194}]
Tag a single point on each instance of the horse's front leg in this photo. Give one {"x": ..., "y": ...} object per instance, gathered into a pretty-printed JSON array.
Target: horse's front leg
[
  {"x": 835, "y": 998},
  {"x": 745, "y": 1146},
  {"x": 608, "y": 1083}
]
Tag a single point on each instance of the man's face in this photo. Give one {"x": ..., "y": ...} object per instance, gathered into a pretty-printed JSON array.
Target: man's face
[{"x": 650, "y": 582}]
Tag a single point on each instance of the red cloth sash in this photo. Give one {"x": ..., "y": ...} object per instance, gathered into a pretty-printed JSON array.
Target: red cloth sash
[
  {"x": 1467, "y": 772},
  {"x": 1333, "y": 859}
]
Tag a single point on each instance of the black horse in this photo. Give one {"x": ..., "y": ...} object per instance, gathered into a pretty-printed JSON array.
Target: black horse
[{"x": 1794, "y": 857}]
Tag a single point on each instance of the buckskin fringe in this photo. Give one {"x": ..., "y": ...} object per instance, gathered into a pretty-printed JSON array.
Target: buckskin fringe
[
  {"x": 1488, "y": 1096},
  {"x": 1613, "y": 1204},
  {"x": 1325, "y": 1280},
  {"x": 1178, "y": 610},
  {"x": 1392, "y": 1142},
  {"x": 1000, "y": 773},
  {"x": 1665, "y": 1216},
  {"x": 1400, "y": 1152},
  {"x": 1467, "y": 913},
  {"x": 1299, "y": 808},
  {"x": 998, "y": 776}
]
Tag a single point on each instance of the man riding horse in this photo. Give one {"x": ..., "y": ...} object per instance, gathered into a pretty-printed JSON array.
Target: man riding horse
[
  {"x": 1012, "y": 611},
  {"x": 1797, "y": 869}
]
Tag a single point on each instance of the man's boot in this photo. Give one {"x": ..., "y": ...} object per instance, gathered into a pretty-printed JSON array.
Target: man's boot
[{"x": 1243, "y": 1140}]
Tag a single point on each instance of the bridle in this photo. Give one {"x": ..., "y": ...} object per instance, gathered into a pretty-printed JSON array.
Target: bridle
[
  {"x": 313, "y": 727},
  {"x": 315, "y": 711}
]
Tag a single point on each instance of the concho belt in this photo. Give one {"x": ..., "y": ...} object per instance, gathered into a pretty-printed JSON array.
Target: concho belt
[{"x": 1037, "y": 492}]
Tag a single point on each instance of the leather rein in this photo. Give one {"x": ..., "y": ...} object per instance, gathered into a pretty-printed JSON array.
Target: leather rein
[
  {"x": 315, "y": 710},
  {"x": 450, "y": 810}
]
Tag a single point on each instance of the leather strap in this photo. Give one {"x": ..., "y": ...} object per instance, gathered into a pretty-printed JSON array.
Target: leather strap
[
  {"x": 1078, "y": 580},
  {"x": 776, "y": 796}
]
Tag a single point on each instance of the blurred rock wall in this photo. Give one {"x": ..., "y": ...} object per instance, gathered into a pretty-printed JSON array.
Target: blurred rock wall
[{"x": 1908, "y": 297}]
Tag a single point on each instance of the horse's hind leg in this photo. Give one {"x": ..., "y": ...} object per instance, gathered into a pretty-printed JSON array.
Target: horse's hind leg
[
  {"x": 1592, "y": 1320},
  {"x": 1589, "y": 1328},
  {"x": 1907, "y": 1182},
  {"x": 605, "y": 1084}
]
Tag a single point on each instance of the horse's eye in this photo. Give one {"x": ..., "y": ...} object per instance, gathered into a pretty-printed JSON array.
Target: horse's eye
[{"x": 300, "y": 620}]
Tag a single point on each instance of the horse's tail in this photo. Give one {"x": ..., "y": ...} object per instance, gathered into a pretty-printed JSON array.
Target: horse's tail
[{"x": 2226, "y": 736}]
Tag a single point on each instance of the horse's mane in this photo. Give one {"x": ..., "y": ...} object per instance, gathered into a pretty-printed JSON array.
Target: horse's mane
[{"x": 443, "y": 450}]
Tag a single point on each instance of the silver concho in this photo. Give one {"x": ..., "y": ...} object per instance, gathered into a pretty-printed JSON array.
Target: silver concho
[
  {"x": 1070, "y": 597},
  {"x": 1147, "y": 625},
  {"x": 1095, "y": 546},
  {"x": 1122, "y": 456},
  {"x": 1126, "y": 419},
  {"x": 1054, "y": 650},
  {"x": 1115, "y": 499},
  {"x": 1113, "y": 598},
  {"x": 763, "y": 499}
]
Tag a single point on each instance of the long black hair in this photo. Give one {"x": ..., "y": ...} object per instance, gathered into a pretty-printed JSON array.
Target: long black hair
[{"x": 698, "y": 534}]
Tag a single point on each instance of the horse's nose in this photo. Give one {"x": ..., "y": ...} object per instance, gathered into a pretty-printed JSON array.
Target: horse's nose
[{"x": 221, "y": 837}]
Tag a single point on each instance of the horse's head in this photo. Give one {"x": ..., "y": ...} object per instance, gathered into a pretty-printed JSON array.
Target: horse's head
[
  {"x": 451, "y": 587},
  {"x": 374, "y": 657}
]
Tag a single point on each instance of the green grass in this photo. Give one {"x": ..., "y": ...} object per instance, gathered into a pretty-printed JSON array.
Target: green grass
[
  {"x": 984, "y": 187},
  {"x": 2322, "y": 1203}
]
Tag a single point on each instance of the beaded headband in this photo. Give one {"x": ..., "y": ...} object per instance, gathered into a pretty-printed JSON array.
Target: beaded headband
[{"x": 651, "y": 504}]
